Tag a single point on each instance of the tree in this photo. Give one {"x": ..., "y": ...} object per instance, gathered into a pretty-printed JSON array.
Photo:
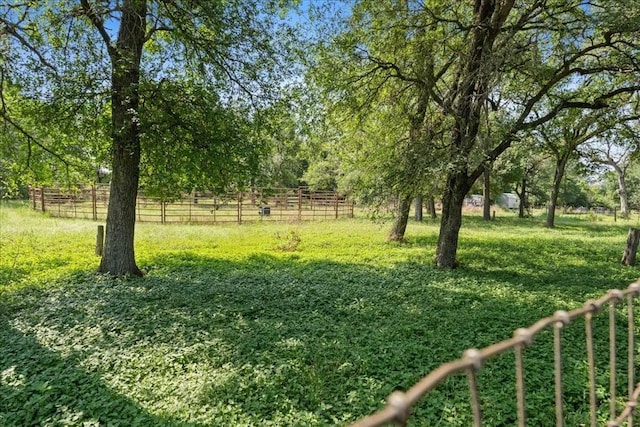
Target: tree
[
  {"x": 561, "y": 137},
  {"x": 39, "y": 149},
  {"x": 180, "y": 154},
  {"x": 490, "y": 55},
  {"x": 75, "y": 50},
  {"x": 533, "y": 61},
  {"x": 286, "y": 129},
  {"x": 373, "y": 78},
  {"x": 616, "y": 149}
]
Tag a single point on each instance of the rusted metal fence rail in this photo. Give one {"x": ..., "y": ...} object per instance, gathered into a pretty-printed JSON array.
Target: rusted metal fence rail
[
  {"x": 279, "y": 204},
  {"x": 399, "y": 404}
]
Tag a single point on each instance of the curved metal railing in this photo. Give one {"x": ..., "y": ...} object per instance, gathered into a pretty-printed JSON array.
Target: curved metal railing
[{"x": 399, "y": 404}]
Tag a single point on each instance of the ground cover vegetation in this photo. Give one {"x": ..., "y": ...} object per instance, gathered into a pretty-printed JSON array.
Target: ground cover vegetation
[
  {"x": 290, "y": 324},
  {"x": 305, "y": 324}
]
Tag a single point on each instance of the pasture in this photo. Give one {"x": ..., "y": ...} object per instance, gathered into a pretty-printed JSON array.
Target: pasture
[{"x": 289, "y": 323}]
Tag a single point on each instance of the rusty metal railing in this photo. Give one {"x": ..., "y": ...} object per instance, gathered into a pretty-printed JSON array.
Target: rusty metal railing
[
  {"x": 203, "y": 207},
  {"x": 399, "y": 404}
]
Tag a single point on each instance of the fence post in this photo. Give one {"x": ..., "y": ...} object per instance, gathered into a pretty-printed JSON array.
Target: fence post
[
  {"x": 562, "y": 319},
  {"x": 32, "y": 194},
  {"x": 138, "y": 209},
  {"x": 631, "y": 350},
  {"x": 94, "y": 202},
  {"x": 299, "y": 203},
  {"x": 42, "y": 198},
  {"x": 612, "y": 356},
  {"x": 240, "y": 208},
  {"x": 100, "y": 240},
  {"x": 336, "y": 203},
  {"x": 591, "y": 362}
]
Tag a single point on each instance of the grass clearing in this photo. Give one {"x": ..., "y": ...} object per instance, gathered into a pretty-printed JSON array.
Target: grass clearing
[{"x": 289, "y": 324}]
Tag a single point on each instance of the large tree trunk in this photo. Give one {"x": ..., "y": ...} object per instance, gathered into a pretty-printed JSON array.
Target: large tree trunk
[
  {"x": 561, "y": 164},
  {"x": 431, "y": 207},
  {"x": 622, "y": 192},
  {"x": 402, "y": 217},
  {"x": 630, "y": 251},
  {"x": 471, "y": 91},
  {"x": 418, "y": 208},
  {"x": 486, "y": 194},
  {"x": 119, "y": 256},
  {"x": 451, "y": 221},
  {"x": 522, "y": 195}
]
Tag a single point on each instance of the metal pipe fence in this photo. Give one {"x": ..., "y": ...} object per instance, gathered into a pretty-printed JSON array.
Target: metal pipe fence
[
  {"x": 399, "y": 404},
  {"x": 265, "y": 204}
]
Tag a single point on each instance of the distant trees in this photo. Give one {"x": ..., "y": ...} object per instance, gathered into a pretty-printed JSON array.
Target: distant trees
[
  {"x": 191, "y": 140},
  {"x": 41, "y": 144},
  {"x": 373, "y": 85},
  {"x": 607, "y": 192},
  {"x": 561, "y": 138},
  {"x": 617, "y": 148}
]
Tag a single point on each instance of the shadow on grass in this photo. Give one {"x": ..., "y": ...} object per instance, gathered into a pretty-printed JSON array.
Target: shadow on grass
[
  {"x": 39, "y": 386},
  {"x": 306, "y": 343},
  {"x": 574, "y": 261},
  {"x": 562, "y": 222},
  {"x": 270, "y": 339}
]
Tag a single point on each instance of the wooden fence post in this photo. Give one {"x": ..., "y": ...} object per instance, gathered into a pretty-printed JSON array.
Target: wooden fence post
[
  {"x": 629, "y": 255},
  {"x": 299, "y": 203},
  {"x": 32, "y": 194},
  {"x": 100, "y": 240},
  {"x": 94, "y": 202},
  {"x": 239, "y": 208},
  {"x": 138, "y": 207},
  {"x": 42, "y": 198}
]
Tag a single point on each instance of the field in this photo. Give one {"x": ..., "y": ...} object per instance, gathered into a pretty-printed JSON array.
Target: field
[{"x": 290, "y": 324}]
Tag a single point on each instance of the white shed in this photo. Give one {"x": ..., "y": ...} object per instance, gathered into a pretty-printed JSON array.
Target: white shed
[{"x": 508, "y": 200}]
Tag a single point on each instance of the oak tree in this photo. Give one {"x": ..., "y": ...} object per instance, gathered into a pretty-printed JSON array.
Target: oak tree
[{"x": 123, "y": 51}]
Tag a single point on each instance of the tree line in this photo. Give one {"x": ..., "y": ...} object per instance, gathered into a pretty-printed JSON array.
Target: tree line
[{"x": 391, "y": 98}]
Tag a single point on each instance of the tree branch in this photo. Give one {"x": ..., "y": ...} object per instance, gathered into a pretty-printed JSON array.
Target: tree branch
[
  {"x": 10, "y": 29},
  {"x": 31, "y": 139},
  {"x": 97, "y": 22}
]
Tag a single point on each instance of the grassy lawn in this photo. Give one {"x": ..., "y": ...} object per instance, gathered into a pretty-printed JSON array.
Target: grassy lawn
[{"x": 290, "y": 324}]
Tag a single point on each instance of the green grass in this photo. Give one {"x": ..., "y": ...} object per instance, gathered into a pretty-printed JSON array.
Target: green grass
[{"x": 290, "y": 324}]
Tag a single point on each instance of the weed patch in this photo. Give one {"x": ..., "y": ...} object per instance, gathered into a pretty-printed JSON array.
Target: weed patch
[{"x": 290, "y": 242}]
